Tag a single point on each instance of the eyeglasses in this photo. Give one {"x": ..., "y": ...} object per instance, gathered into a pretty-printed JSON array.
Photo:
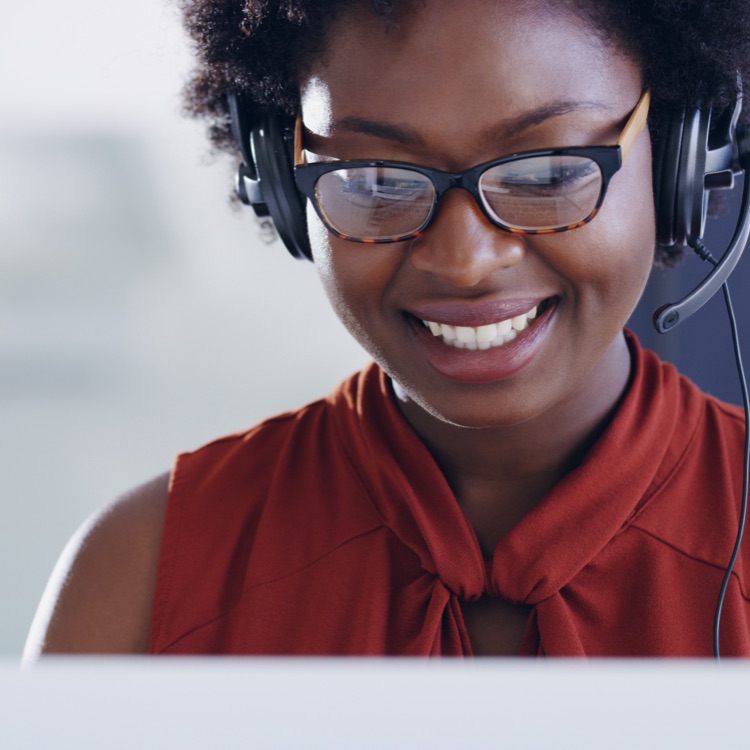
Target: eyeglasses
[{"x": 532, "y": 192}]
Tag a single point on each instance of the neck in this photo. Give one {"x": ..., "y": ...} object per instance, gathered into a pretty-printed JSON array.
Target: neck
[{"x": 500, "y": 473}]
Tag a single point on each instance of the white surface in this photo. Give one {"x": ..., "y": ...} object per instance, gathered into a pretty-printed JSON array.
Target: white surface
[{"x": 243, "y": 703}]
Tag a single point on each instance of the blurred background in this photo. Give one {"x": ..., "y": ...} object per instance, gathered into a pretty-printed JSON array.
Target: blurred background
[{"x": 140, "y": 315}]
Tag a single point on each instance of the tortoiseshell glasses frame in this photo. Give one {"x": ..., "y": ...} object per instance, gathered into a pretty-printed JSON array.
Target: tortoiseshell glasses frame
[{"x": 378, "y": 191}]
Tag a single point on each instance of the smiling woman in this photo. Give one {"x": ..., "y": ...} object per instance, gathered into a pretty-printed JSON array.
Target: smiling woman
[{"x": 513, "y": 473}]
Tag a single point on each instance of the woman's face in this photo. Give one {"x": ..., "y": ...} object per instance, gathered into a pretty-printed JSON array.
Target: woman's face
[{"x": 451, "y": 86}]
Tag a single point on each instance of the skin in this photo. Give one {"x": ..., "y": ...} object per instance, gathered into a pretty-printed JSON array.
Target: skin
[
  {"x": 98, "y": 599},
  {"x": 453, "y": 85}
]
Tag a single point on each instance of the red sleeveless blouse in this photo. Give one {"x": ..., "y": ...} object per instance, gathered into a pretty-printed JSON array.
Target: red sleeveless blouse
[{"x": 331, "y": 530}]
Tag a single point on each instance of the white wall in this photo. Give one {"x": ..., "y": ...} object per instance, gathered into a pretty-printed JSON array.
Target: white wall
[{"x": 139, "y": 315}]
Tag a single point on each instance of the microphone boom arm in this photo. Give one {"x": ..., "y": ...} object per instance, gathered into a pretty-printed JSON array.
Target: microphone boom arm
[{"x": 669, "y": 315}]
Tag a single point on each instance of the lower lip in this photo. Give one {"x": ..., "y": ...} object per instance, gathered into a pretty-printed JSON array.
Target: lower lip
[{"x": 489, "y": 365}]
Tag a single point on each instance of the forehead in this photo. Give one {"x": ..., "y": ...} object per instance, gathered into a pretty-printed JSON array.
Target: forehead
[{"x": 452, "y": 68}]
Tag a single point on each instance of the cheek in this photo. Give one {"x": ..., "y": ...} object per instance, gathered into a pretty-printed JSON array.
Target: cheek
[
  {"x": 355, "y": 277},
  {"x": 629, "y": 246},
  {"x": 610, "y": 259},
  {"x": 328, "y": 252},
  {"x": 319, "y": 243},
  {"x": 324, "y": 251}
]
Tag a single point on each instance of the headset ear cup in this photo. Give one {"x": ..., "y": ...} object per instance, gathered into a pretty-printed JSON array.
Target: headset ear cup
[
  {"x": 265, "y": 179},
  {"x": 679, "y": 177},
  {"x": 691, "y": 199},
  {"x": 666, "y": 176},
  {"x": 272, "y": 156}
]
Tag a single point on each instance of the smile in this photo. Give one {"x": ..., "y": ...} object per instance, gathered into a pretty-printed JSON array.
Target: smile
[{"x": 484, "y": 337}]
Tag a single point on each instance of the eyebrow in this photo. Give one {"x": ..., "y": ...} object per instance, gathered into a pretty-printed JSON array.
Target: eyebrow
[{"x": 504, "y": 129}]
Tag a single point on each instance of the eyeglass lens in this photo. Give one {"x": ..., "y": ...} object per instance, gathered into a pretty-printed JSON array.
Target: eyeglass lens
[
  {"x": 532, "y": 193},
  {"x": 375, "y": 202}
]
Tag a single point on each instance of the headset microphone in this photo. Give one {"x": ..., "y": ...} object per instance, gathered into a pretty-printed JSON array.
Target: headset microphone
[
  {"x": 701, "y": 156},
  {"x": 668, "y": 316}
]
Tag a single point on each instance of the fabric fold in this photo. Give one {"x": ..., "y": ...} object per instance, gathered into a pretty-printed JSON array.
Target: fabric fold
[
  {"x": 406, "y": 486},
  {"x": 652, "y": 429}
]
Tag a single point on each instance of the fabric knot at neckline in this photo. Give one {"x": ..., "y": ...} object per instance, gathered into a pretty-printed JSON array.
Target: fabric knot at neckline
[{"x": 558, "y": 537}]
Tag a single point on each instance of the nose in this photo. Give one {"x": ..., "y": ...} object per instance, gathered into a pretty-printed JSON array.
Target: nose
[{"x": 461, "y": 246}]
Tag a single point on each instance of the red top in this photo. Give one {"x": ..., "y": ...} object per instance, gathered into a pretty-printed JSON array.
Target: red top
[{"x": 332, "y": 531}]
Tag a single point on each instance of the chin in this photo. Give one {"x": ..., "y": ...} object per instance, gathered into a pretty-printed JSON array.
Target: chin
[{"x": 472, "y": 415}]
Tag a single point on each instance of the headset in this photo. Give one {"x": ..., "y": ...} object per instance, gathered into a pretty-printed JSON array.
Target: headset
[
  {"x": 699, "y": 153},
  {"x": 696, "y": 154}
]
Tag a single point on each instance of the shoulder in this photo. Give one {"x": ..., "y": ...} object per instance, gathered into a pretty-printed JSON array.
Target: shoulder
[
  {"x": 719, "y": 433},
  {"x": 693, "y": 504},
  {"x": 99, "y": 597},
  {"x": 316, "y": 427},
  {"x": 685, "y": 409}
]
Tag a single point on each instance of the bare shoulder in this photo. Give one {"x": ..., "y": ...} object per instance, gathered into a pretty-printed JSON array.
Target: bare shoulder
[{"x": 99, "y": 597}]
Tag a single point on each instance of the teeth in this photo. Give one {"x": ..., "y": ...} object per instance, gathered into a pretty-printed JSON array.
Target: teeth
[
  {"x": 448, "y": 332},
  {"x": 466, "y": 335},
  {"x": 519, "y": 322},
  {"x": 482, "y": 337},
  {"x": 504, "y": 327},
  {"x": 486, "y": 334}
]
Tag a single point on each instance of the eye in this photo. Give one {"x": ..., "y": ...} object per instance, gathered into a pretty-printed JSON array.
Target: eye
[
  {"x": 386, "y": 184},
  {"x": 542, "y": 192},
  {"x": 553, "y": 174},
  {"x": 570, "y": 175},
  {"x": 374, "y": 200}
]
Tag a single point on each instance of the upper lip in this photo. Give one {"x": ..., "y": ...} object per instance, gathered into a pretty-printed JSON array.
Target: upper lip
[{"x": 468, "y": 313}]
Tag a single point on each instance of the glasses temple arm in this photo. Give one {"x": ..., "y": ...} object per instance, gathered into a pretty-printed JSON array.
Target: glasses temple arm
[
  {"x": 635, "y": 124},
  {"x": 299, "y": 158}
]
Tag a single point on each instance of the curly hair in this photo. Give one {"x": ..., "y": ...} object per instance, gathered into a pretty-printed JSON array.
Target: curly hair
[{"x": 690, "y": 52}]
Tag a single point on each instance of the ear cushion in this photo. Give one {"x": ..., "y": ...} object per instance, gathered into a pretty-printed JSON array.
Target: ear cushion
[
  {"x": 666, "y": 173},
  {"x": 679, "y": 176},
  {"x": 692, "y": 196},
  {"x": 272, "y": 156}
]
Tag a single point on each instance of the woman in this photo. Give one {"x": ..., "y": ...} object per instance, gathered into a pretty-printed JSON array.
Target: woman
[{"x": 514, "y": 475}]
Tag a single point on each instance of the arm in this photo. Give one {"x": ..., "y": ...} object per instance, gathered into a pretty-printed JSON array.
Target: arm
[{"x": 99, "y": 597}]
